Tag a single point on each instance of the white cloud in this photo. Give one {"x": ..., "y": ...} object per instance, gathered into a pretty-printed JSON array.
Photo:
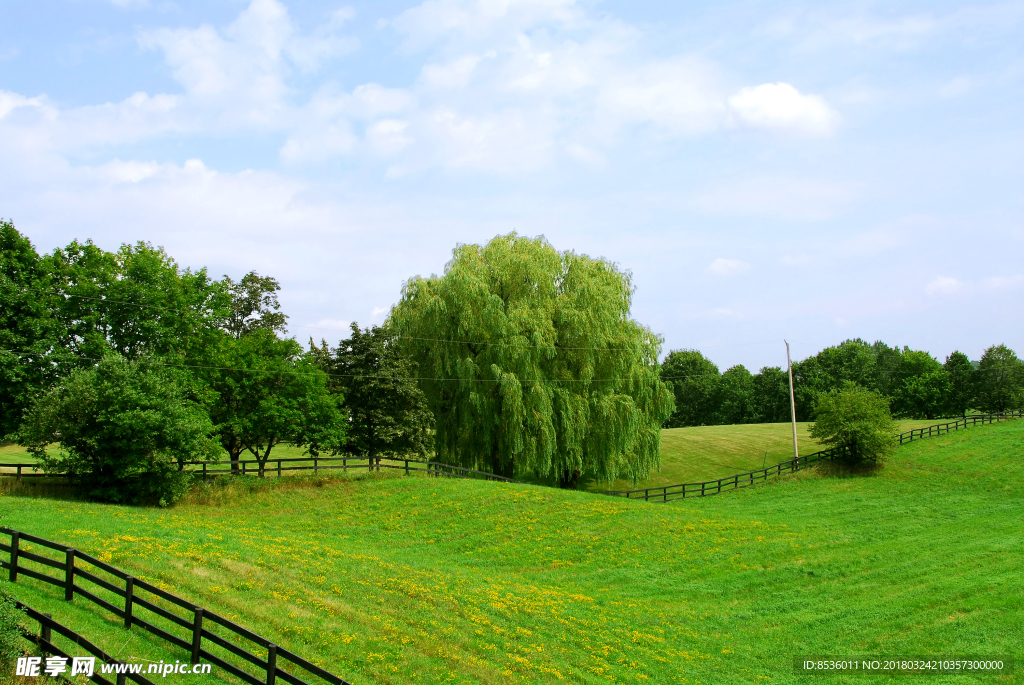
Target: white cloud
[
  {"x": 874, "y": 242},
  {"x": 325, "y": 325},
  {"x": 1001, "y": 283},
  {"x": 781, "y": 106},
  {"x": 943, "y": 285},
  {"x": 246, "y": 66},
  {"x": 955, "y": 87},
  {"x": 388, "y": 136},
  {"x": 479, "y": 20},
  {"x": 727, "y": 267},
  {"x": 509, "y": 141},
  {"x": 453, "y": 74},
  {"x": 778, "y": 197},
  {"x": 681, "y": 96}
]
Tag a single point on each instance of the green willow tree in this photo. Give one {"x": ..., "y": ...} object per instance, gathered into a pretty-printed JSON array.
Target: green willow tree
[{"x": 531, "y": 363}]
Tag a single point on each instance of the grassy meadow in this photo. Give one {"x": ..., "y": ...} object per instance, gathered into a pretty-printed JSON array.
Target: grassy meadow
[{"x": 386, "y": 579}]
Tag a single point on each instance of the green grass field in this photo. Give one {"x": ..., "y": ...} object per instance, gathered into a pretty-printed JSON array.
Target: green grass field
[{"x": 395, "y": 580}]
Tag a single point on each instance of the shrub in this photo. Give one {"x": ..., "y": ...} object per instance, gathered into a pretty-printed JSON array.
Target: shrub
[
  {"x": 124, "y": 429},
  {"x": 857, "y": 419}
]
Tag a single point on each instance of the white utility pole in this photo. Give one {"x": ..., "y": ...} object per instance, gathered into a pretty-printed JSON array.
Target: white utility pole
[{"x": 792, "y": 400}]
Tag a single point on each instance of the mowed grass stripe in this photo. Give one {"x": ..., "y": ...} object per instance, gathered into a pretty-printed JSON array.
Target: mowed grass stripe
[{"x": 430, "y": 580}]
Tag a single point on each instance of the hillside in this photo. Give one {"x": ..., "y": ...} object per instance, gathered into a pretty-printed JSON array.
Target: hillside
[{"x": 392, "y": 580}]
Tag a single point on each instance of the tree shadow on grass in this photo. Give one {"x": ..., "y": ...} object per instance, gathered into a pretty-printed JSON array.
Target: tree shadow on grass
[
  {"x": 844, "y": 469},
  {"x": 45, "y": 488}
]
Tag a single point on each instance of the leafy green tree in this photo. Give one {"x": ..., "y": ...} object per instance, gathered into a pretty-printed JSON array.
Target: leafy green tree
[
  {"x": 30, "y": 337},
  {"x": 696, "y": 388},
  {"x": 770, "y": 397},
  {"x": 999, "y": 380},
  {"x": 268, "y": 392},
  {"x": 388, "y": 413},
  {"x": 253, "y": 305},
  {"x": 737, "y": 389},
  {"x": 137, "y": 302},
  {"x": 852, "y": 361},
  {"x": 889, "y": 368},
  {"x": 924, "y": 396},
  {"x": 961, "y": 383},
  {"x": 919, "y": 387},
  {"x": 531, "y": 363},
  {"x": 858, "y": 419},
  {"x": 124, "y": 428}
]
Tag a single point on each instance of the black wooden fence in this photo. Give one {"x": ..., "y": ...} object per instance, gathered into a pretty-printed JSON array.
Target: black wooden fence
[
  {"x": 943, "y": 428},
  {"x": 344, "y": 463},
  {"x": 742, "y": 480},
  {"x": 291, "y": 465},
  {"x": 668, "y": 493},
  {"x": 206, "y": 635},
  {"x": 44, "y": 641}
]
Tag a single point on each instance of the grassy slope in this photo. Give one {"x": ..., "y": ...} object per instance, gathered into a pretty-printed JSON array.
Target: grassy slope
[
  {"x": 702, "y": 453},
  {"x": 421, "y": 580}
]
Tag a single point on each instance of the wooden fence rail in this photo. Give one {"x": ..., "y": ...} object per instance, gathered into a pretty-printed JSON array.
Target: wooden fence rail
[
  {"x": 668, "y": 493},
  {"x": 943, "y": 428},
  {"x": 280, "y": 466},
  {"x": 207, "y": 636},
  {"x": 44, "y": 641}
]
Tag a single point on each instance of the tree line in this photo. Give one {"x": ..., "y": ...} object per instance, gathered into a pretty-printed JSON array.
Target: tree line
[
  {"x": 519, "y": 359},
  {"x": 132, "y": 365},
  {"x": 914, "y": 383}
]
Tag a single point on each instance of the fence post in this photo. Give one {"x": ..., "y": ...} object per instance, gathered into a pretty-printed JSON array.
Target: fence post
[
  {"x": 197, "y": 633},
  {"x": 15, "y": 539},
  {"x": 129, "y": 601},
  {"x": 316, "y": 466},
  {"x": 121, "y": 678},
  {"x": 278, "y": 468},
  {"x": 18, "y": 479},
  {"x": 69, "y": 574},
  {"x": 44, "y": 634},
  {"x": 271, "y": 663},
  {"x": 204, "y": 470},
  {"x": 407, "y": 467}
]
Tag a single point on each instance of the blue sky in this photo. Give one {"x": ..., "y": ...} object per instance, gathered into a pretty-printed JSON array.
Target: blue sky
[{"x": 811, "y": 171}]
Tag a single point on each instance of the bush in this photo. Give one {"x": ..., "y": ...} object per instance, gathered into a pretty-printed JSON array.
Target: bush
[
  {"x": 856, "y": 419},
  {"x": 124, "y": 429}
]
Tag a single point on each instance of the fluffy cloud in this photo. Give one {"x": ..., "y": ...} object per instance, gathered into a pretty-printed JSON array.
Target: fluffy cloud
[
  {"x": 552, "y": 83},
  {"x": 245, "y": 67},
  {"x": 781, "y": 106},
  {"x": 776, "y": 197},
  {"x": 727, "y": 267},
  {"x": 943, "y": 285},
  {"x": 479, "y": 20}
]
